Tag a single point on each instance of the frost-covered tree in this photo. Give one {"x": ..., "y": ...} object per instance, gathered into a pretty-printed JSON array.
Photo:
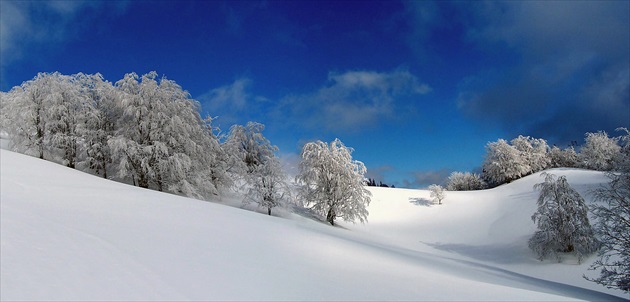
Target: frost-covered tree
[
  {"x": 566, "y": 158},
  {"x": 99, "y": 123},
  {"x": 26, "y": 106},
  {"x": 503, "y": 163},
  {"x": 599, "y": 151},
  {"x": 160, "y": 135},
  {"x": 250, "y": 146},
  {"x": 466, "y": 181},
  {"x": 332, "y": 182},
  {"x": 533, "y": 153},
  {"x": 268, "y": 185},
  {"x": 68, "y": 112},
  {"x": 613, "y": 228},
  {"x": 258, "y": 165},
  {"x": 437, "y": 193},
  {"x": 562, "y": 220}
]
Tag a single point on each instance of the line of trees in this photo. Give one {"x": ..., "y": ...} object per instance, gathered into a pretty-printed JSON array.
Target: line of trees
[
  {"x": 507, "y": 161},
  {"x": 147, "y": 131}
]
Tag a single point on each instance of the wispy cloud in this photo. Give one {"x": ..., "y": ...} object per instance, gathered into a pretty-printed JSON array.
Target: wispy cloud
[
  {"x": 233, "y": 103},
  {"x": 352, "y": 100}
]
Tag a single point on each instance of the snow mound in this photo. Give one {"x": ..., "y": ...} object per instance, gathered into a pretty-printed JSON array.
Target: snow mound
[{"x": 66, "y": 235}]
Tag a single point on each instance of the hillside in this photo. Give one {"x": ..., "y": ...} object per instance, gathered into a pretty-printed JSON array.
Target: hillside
[{"x": 66, "y": 235}]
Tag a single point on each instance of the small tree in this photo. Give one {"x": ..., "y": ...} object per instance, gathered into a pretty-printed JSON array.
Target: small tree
[
  {"x": 258, "y": 165},
  {"x": 267, "y": 185},
  {"x": 562, "y": 220},
  {"x": 332, "y": 182},
  {"x": 613, "y": 227},
  {"x": 437, "y": 193}
]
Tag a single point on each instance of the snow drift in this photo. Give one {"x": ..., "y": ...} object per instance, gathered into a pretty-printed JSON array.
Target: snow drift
[{"x": 66, "y": 235}]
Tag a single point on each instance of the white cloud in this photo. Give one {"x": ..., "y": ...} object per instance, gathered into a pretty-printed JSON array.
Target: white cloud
[{"x": 352, "y": 100}]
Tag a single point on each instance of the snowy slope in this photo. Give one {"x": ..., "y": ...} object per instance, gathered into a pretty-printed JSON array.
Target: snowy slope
[{"x": 66, "y": 235}]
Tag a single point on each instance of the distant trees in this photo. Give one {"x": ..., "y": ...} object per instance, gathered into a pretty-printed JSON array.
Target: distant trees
[
  {"x": 562, "y": 220},
  {"x": 371, "y": 182},
  {"x": 332, "y": 182},
  {"x": 437, "y": 193},
  {"x": 559, "y": 158},
  {"x": 466, "y": 181},
  {"x": 613, "y": 228}
]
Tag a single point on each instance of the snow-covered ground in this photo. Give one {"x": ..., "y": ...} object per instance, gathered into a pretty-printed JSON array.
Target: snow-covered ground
[{"x": 67, "y": 235}]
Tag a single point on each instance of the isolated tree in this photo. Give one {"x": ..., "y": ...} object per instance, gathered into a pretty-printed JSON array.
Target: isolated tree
[
  {"x": 437, "y": 193},
  {"x": 613, "y": 228},
  {"x": 562, "y": 220},
  {"x": 599, "y": 151},
  {"x": 503, "y": 163},
  {"x": 466, "y": 181},
  {"x": 332, "y": 182}
]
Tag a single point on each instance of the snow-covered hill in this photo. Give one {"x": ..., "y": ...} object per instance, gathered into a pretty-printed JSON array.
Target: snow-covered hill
[{"x": 66, "y": 235}]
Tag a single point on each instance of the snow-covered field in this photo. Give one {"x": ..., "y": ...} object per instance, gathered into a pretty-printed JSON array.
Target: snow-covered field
[{"x": 67, "y": 235}]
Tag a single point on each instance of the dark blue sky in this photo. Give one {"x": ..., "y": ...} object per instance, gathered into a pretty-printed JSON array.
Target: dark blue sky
[{"x": 416, "y": 88}]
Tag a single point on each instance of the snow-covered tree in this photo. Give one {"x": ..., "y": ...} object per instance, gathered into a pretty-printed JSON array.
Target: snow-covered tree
[
  {"x": 533, "y": 153},
  {"x": 26, "y": 106},
  {"x": 466, "y": 181},
  {"x": 562, "y": 220},
  {"x": 100, "y": 122},
  {"x": 268, "y": 185},
  {"x": 437, "y": 193},
  {"x": 566, "y": 158},
  {"x": 250, "y": 146},
  {"x": 160, "y": 138},
  {"x": 599, "y": 151},
  {"x": 613, "y": 228},
  {"x": 68, "y": 111},
  {"x": 332, "y": 182},
  {"x": 258, "y": 165},
  {"x": 503, "y": 163}
]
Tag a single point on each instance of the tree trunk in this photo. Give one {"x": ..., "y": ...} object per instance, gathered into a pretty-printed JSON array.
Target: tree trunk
[
  {"x": 269, "y": 211},
  {"x": 331, "y": 216}
]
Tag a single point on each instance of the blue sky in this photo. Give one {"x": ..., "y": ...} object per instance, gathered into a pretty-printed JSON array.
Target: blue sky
[{"x": 416, "y": 88}]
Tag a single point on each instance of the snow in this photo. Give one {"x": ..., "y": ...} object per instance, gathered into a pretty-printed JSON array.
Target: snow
[{"x": 66, "y": 235}]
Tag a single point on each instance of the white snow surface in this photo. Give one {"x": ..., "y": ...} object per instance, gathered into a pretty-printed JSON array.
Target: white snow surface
[{"x": 67, "y": 235}]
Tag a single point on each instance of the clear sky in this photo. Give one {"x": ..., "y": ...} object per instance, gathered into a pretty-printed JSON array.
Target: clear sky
[{"x": 416, "y": 88}]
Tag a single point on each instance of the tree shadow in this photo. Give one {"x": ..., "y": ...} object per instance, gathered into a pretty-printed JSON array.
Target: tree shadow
[{"x": 419, "y": 201}]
